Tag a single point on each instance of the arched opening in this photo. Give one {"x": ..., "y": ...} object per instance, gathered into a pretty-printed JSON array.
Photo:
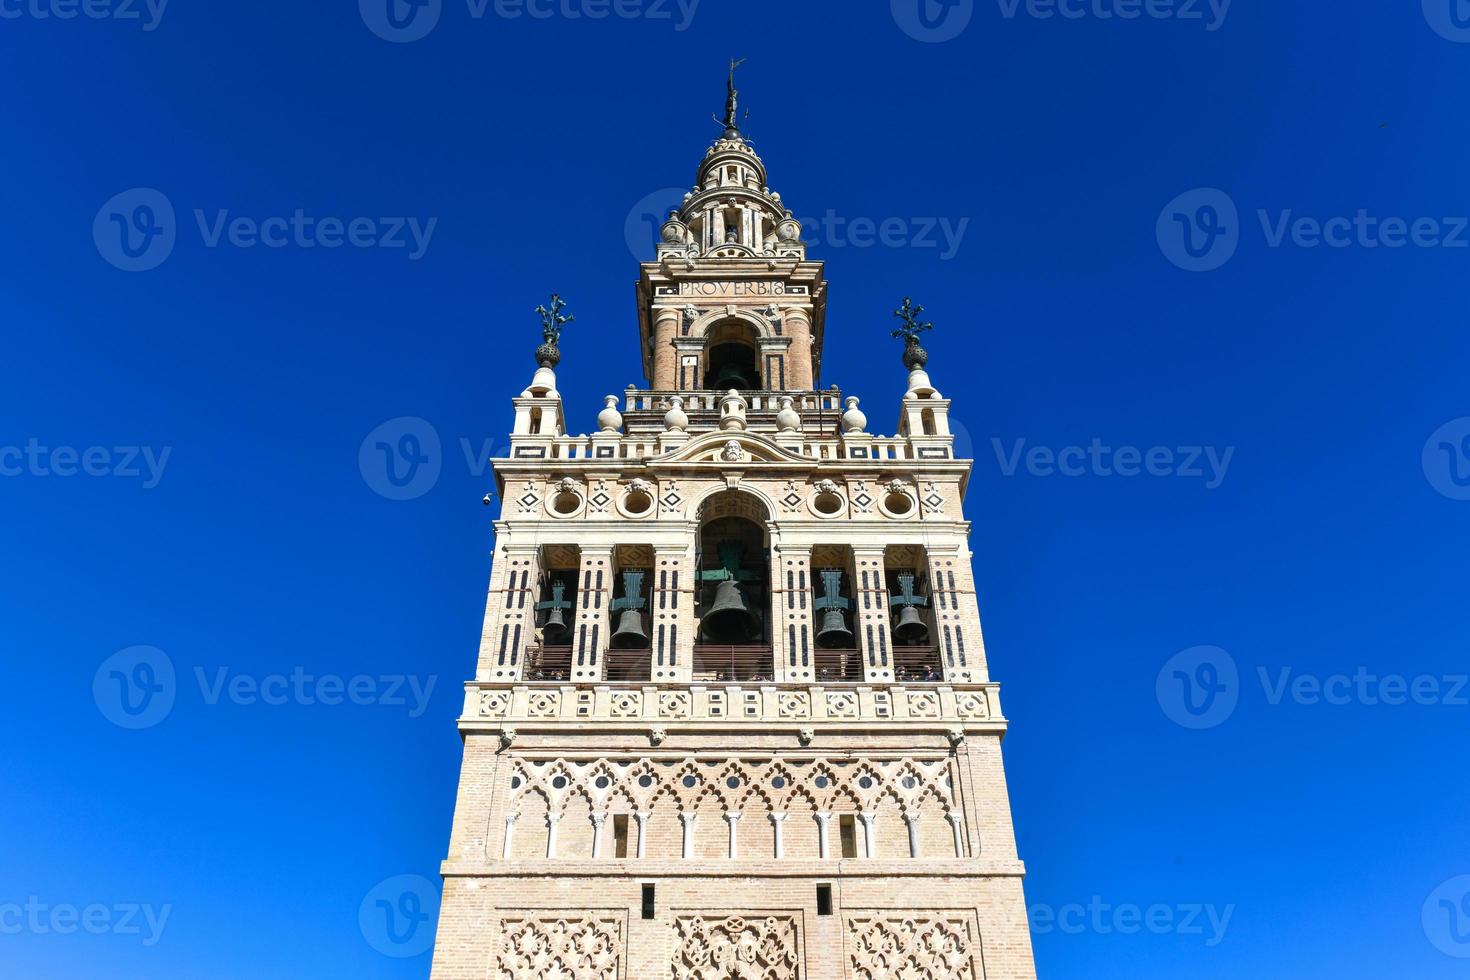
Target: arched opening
[
  {"x": 731, "y": 359},
  {"x": 733, "y": 602}
]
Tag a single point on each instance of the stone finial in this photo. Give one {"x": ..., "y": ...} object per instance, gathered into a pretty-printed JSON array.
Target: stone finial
[
  {"x": 675, "y": 419},
  {"x": 732, "y": 412},
  {"x": 788, "y": 419},
  {"x": 853, "y": 419},
  {"x": 610, "y": 419}
]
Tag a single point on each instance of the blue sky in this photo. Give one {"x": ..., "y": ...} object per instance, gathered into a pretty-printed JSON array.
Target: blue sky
[{"x": 181, "y": 444}]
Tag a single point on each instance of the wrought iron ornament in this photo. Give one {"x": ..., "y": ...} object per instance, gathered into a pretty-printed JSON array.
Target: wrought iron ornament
[
  {"x": 914, "y": 355},
  {"x": 552, "y": 321}
]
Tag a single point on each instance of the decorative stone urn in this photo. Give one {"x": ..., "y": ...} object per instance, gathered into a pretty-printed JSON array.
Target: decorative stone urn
[{"x": 610, "y": 419}]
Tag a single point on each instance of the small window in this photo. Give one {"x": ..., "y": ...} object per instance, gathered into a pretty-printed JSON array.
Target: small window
[
  {"x": 620, "y": 835},
  {"x": 824, "y": 899},
  {"x": 847, "y": 831},
  {"x": 648, "y": 901}
]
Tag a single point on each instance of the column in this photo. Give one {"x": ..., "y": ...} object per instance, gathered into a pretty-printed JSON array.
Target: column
[
  {"x": 822, "y": 849},
  {"x": 870, "y": 593},
  {"x": 510, "y": 615},
  {"x": 956, "y": 615},
  {"x": 642, "y": 817},
  {"x": 687, "y": 818},
  {"x": 959, "y": 837},
  {"x": 510, "y": 829},
  {"x": 798, "y": 326},
  {"x": 732, "y": 817},
  {"x": 592, "y": 632},
  {"x": 671, "y": 598},
  {"x": 792, "y": 643},
  {"x": 552, "y": 819},
  {"x": 777, "y": 821},
  {"x": 597, "y": 822},
  {"x": 870, "y": 844},
  {"x": 912, "y": 819}
]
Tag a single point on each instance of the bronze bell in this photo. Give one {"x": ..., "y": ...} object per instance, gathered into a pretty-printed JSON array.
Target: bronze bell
[
  {"x": 729, "y": 619},
  {"x": 629, "y": 634},
  {"x": 834, "y": 631},
  {"x": 910, "y": 630},
  {"x": 731, "y": 376},
  {"x": 555, "y": 632}
]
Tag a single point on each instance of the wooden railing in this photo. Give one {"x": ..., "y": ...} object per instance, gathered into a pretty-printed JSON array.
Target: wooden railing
[
  {"x": 917, "y": 665},
  {"x": 548, "y": 663},
  {"x": 733, "y": 663}
]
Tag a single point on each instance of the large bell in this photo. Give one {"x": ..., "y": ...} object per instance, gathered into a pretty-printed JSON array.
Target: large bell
[
  {"x": 554, "y": 632},
  {"x": 729, "y": 619},
  {"x": 731, "y": 376},
  {"x": 910, "y": 630},
  {"x": 834, "y": 631},
  {"x": 629, "y": 635}
]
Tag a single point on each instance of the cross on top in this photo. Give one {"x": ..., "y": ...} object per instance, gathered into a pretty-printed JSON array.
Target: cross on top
[
  {"x": 558, "y": 590},
  {"x": 912, "y": 325},
  {"x": 552, "y": 320},
  {"x": 731, "y": 553},
  {"x": 831, "y": 588},
  {"x": 906, "y": 597},
  {"x": 632, "y": 593}
]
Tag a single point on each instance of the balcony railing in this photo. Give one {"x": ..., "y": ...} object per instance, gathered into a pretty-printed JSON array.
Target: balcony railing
[
  {"x": 839, "y": 666},
  {"x": 549, "y": 663},
  {"x": 917, "y": 665},
  {"x": 733, "y": 663},
  {"x": 629, "y": 665}
]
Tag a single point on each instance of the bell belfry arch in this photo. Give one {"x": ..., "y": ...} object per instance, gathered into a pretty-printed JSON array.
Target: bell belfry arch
[{"x": 732, "y": 713}]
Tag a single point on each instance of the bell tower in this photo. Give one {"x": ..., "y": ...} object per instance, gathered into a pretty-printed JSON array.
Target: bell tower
[{"x": 733, "y": 713}]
